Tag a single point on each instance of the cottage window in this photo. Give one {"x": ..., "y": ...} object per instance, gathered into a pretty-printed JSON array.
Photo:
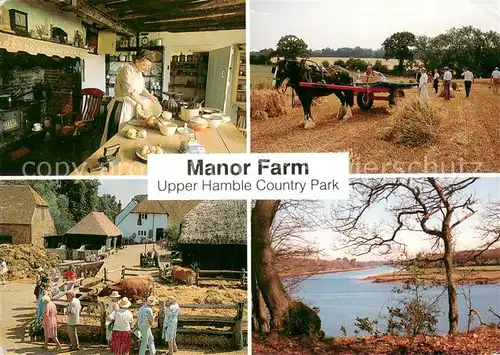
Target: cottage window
[
  {"x": 139, "y": 221},
  {"x": 143, "y": 216}
]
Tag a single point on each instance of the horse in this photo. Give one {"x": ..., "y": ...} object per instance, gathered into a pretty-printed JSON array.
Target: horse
[{"x": 300, "y": 71}]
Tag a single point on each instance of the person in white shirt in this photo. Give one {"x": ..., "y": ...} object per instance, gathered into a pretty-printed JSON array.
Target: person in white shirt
[
  {"x": 447, "y": 76},
  {"x": 130, "y": 88},
  {"x": 468, "y": 78},
  {"x": 495, "y": 79},
  {"x": 3, "y": 270},
  {"x": 73, "y": 312},
  {"x": 424, "y": 93},
  {"x": 121, "y": 339},
  {"x": 435, "y": 81}
]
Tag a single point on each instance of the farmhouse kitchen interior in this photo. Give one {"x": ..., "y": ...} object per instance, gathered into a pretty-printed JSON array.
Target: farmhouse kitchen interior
[{"x": 58, "y": 69}]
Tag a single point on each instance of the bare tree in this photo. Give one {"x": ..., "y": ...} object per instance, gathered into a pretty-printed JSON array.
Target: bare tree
[
  {"x": 433, "y": 207},
  {"x": 293, "y": 220},
  {"x": 489, "y": 228},
  {"x": 285, "y": 314}
]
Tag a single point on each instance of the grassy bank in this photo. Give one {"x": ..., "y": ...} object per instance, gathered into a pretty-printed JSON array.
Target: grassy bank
[{"x": 469, "y": 275}]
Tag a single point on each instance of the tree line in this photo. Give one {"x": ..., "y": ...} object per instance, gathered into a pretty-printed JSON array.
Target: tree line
[
  {"x": 457, "y": 48},
  {"x": 71, "y": 200}
]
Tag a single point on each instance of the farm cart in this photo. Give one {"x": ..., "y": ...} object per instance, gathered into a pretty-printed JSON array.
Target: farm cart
[{"x": 366, "y": 92}]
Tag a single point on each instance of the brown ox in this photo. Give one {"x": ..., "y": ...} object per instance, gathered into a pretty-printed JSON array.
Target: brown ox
[
  {"x": 133, "y": 287},
  {"x": 183, "y": 274}
]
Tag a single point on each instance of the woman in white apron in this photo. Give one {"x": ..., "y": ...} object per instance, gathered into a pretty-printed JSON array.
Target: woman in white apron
[{"x": 131, "y": 90}]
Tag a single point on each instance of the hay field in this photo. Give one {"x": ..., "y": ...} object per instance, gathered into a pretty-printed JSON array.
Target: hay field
[{"x": 467, "y": 137}]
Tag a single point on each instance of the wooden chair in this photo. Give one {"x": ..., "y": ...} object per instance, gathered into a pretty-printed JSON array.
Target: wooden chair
[
  {"x": 85, "y": 118},
  {"x": 83, "y": 122},
  {"x": 241, "y": 121},
  {"x": 114, "y": 119}
]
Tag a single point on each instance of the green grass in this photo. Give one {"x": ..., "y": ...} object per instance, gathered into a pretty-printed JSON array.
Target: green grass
[{"x": 261, "y": 76}]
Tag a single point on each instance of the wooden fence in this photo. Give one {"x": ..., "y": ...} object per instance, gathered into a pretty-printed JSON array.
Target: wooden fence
[
  {"x": 186, "y": 322},
  {"x": 239, "y": 276}
]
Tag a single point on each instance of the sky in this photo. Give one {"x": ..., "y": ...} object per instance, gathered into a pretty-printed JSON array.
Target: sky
[
  {"x": 123, "y": 189},
  {"x": 485, "y": 190},
  {"x": 364, "y": 23}
]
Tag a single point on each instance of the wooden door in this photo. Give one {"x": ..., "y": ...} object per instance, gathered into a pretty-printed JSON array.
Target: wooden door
[{"x": 218, "y": 78}]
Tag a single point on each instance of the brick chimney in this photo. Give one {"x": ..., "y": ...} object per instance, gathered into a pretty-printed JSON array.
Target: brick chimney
[{"x": 119, "y": 206}]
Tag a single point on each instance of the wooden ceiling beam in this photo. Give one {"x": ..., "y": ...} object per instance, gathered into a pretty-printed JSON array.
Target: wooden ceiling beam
[
  {"x": 232, "y": 23},
  {"x": 93, "y": 13},
  {"x": 154, "y": 8},
  {"x": 181, "y": 15}
]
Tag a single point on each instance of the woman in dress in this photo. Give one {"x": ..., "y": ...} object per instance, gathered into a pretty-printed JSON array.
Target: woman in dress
[
  {"x": 170, "y": 324},
  {"x": 44, "y": 291},
  {"x": 424, "y": 93},
  {"x": 121, "y": 339},
  {"x": 112, "y": 306},
  {"x": 50, "y": 322},
  {"x": 130, "y": 89}
]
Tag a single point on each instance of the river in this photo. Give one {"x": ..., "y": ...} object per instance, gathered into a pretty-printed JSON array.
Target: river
[{"x": 344, "y": 296}]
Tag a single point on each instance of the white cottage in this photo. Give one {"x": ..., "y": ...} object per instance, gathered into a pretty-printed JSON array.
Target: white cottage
[{"x": 146, "y": 221}]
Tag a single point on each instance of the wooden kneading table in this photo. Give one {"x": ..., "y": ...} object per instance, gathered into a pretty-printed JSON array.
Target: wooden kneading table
[{"x": 225, "y": 139}]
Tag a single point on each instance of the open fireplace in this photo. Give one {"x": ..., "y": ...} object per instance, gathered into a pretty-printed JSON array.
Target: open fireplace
[{"x": 34, "y": 89}]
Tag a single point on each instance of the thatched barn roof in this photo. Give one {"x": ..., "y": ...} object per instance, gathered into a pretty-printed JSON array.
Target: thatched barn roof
[
  {"x": 95, "y": 223},
  {"x": 175, "y": 210},
  {"x": 18, "y": 204},
  {"x": 215, "y": 222}
]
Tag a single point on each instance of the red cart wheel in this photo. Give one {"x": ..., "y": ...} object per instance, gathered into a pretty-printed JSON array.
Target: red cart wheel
[{"x": 365, "y": 101}]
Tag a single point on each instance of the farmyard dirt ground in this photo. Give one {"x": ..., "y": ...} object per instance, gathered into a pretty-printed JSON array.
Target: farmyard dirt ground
[{"x": 467, "y": 140}]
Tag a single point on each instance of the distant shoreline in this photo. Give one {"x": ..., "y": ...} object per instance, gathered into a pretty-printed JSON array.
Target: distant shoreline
[
  {"x": 479, "y": 277},
  {"x": 326, "y": 271}
]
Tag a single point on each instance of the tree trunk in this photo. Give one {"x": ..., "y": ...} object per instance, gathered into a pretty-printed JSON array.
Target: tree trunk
[
  {"x": 401, "y": 65},
  {"x": 277, "y": 300},
  {"x": 260, "y": 315},
  {"x": 452, "y": 288}
]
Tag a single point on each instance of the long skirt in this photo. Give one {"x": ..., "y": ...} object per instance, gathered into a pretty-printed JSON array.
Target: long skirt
[
  {"x": 121, "y": 342},
  {"x": 424, "y": 94}
]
